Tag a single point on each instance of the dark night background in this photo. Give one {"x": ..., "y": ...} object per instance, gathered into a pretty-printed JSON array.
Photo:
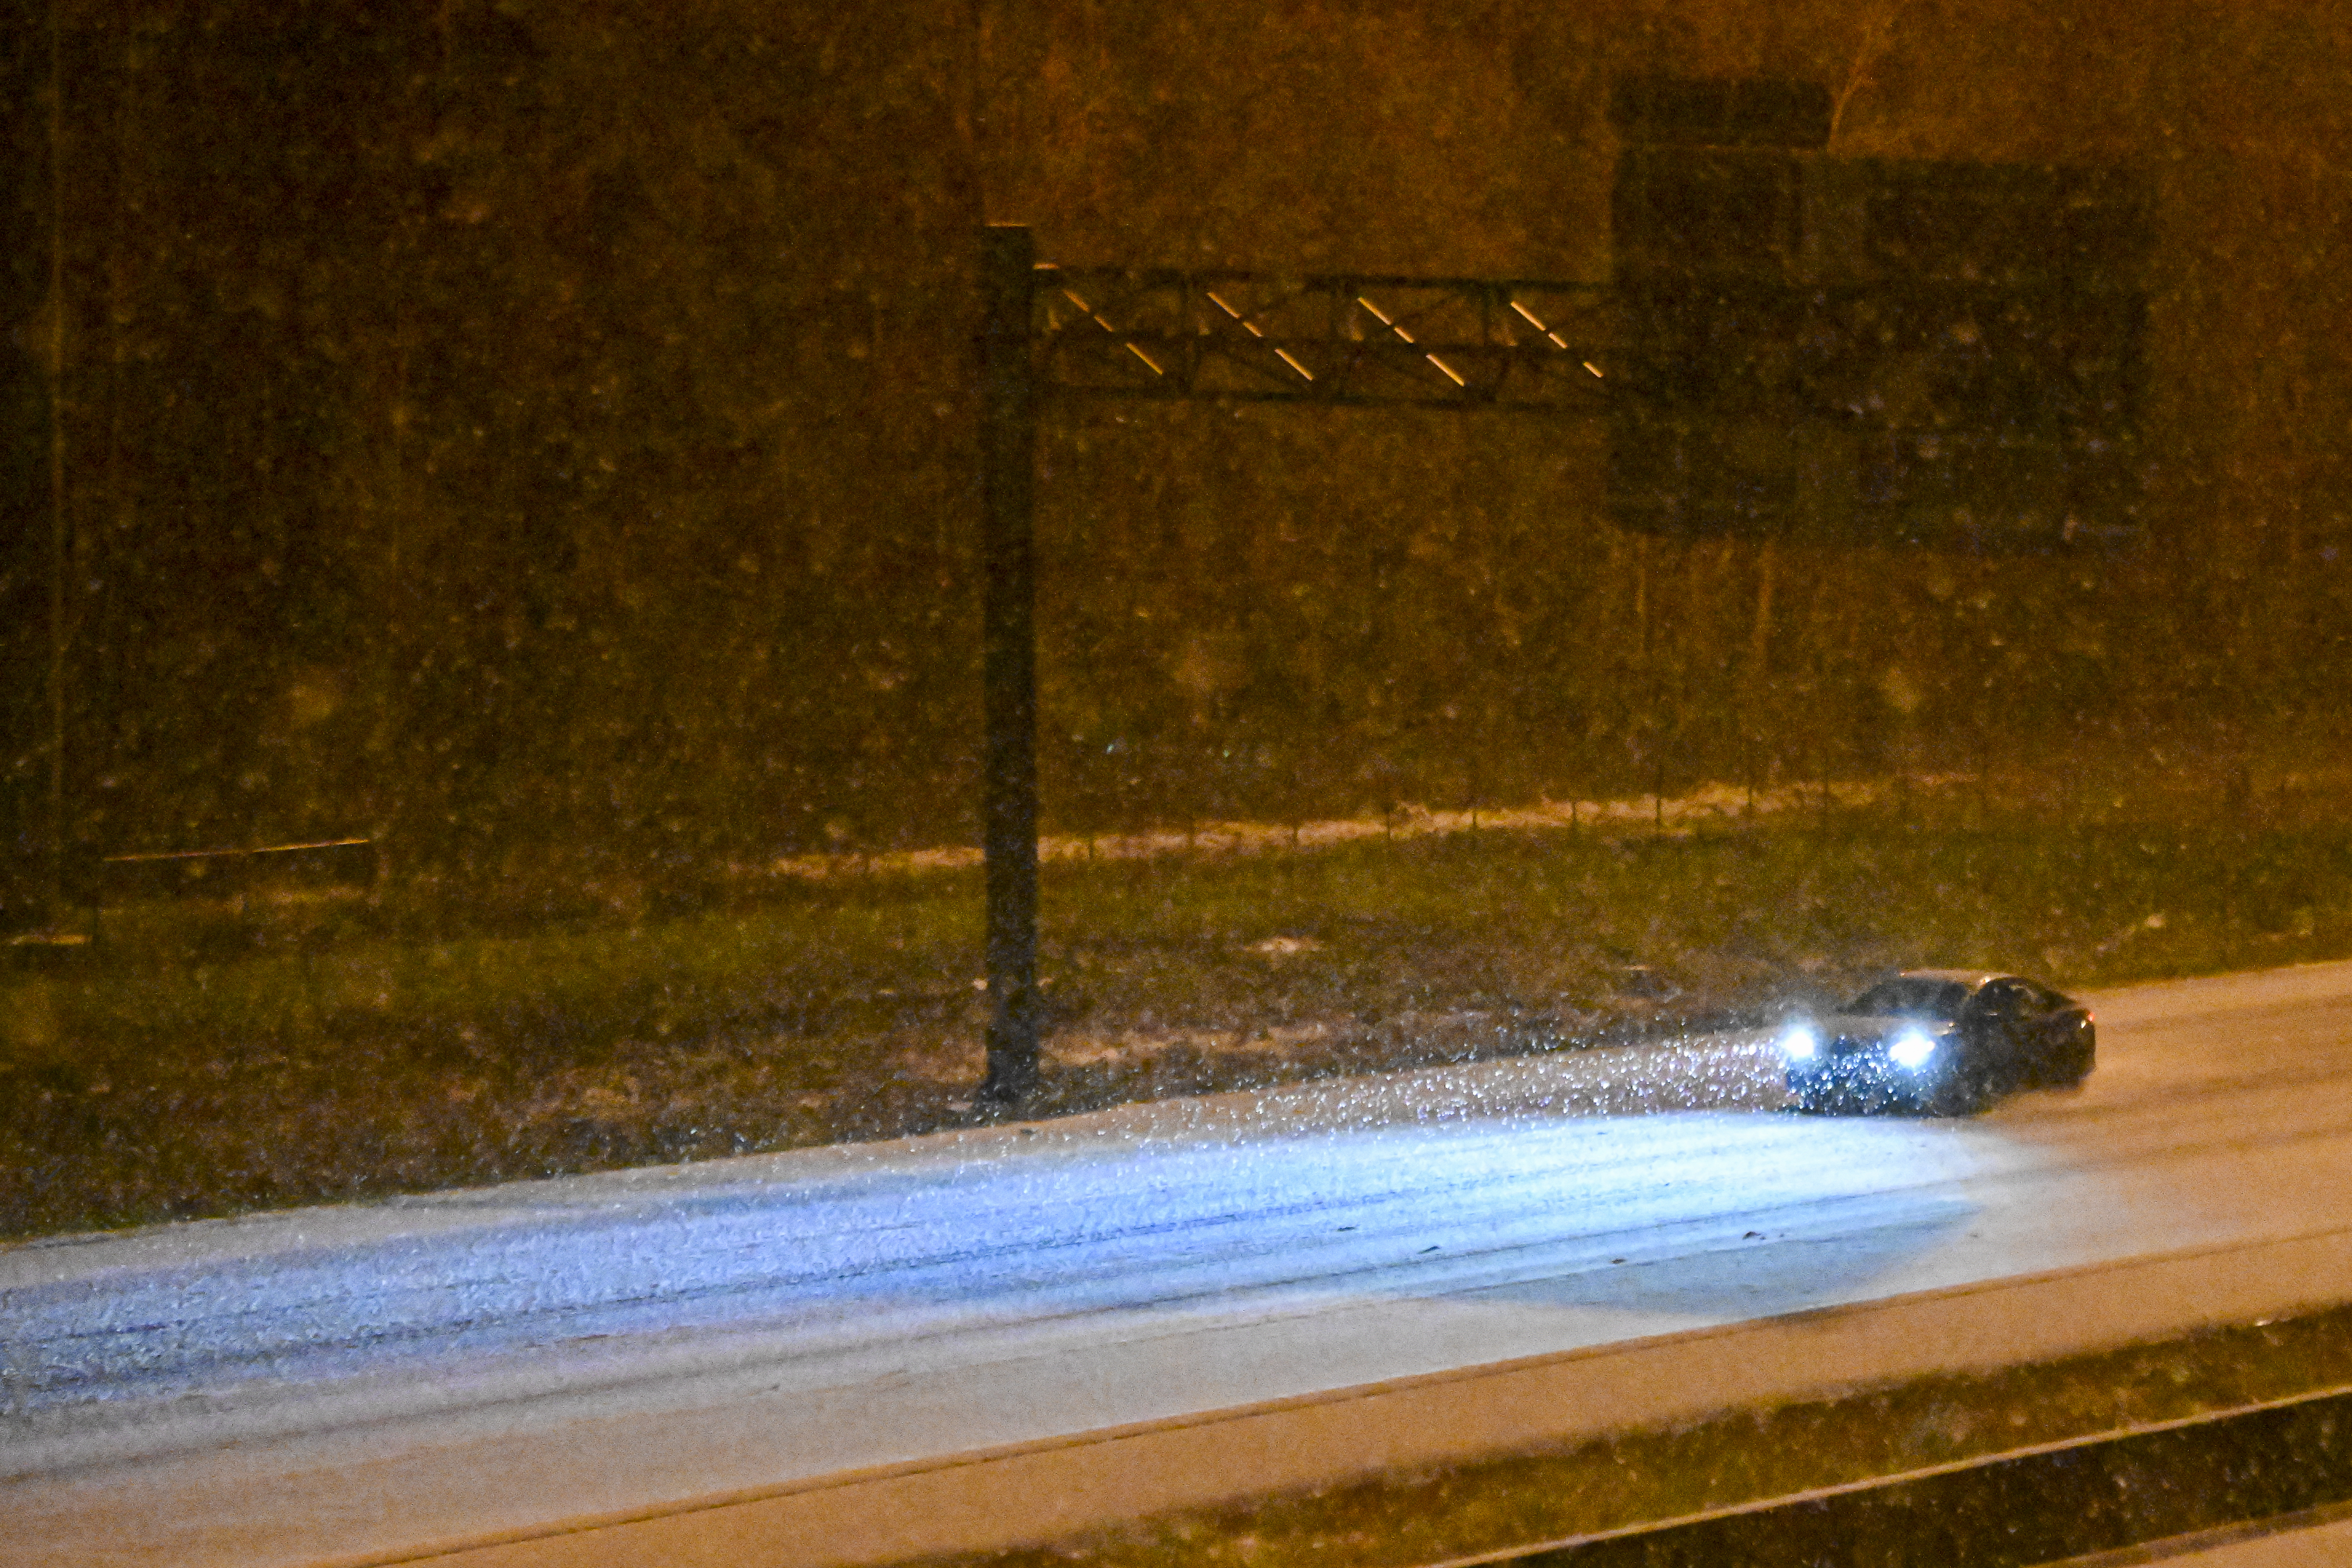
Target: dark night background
[{"x": 542, "y": 436}]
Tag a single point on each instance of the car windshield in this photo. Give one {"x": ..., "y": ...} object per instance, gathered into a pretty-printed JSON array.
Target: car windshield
[{"x": 1912, "y": 998}]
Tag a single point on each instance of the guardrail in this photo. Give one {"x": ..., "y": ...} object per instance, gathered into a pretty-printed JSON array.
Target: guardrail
[{"x": 96, "y": 881}]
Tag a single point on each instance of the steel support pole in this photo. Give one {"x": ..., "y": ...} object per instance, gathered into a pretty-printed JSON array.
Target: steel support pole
[{"x": 1008, "y": 441}]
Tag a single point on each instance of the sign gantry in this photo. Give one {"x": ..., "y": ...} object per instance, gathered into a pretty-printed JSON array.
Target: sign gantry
[{"x": 1845, "y": 352}]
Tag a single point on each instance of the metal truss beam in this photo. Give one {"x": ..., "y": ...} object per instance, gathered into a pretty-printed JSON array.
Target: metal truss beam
[{"x": 1347, "y": 338}]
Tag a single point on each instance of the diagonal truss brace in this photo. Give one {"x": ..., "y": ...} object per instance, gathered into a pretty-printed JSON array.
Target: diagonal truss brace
[{"x": 1338, "y": 338}]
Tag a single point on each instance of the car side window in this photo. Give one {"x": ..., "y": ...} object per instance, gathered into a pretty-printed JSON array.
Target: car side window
[{"x": 2001, "y": 999}]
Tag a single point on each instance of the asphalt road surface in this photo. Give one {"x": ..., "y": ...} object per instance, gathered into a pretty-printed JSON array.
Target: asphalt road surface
[{"x": 351, "y": 1385}]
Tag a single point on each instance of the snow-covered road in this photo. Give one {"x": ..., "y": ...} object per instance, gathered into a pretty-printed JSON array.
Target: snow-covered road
[{"x": 349, "y": 1384}]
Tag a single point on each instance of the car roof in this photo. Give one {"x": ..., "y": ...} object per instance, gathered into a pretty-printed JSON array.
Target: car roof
[{"x": 1971, "y": 978}]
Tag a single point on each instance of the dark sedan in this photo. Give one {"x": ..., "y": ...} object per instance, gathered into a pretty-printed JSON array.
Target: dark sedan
[{"x": 1944, "y": 1041}]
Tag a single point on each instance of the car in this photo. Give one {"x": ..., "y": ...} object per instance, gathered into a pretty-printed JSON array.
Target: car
[{"x": 1945, "y": 1042}]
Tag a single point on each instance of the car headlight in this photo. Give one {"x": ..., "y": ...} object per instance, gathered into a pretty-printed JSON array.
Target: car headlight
[
  {"x": 1798, "y": 1042},
  {"x": 1911, "y": 1049}
]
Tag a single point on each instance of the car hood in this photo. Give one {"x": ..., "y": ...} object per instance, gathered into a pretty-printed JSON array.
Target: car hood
[{"x": 1874, "y": 1028}]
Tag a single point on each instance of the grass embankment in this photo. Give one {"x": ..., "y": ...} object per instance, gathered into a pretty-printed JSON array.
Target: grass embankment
[{"x": 148, "y": 1081}]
